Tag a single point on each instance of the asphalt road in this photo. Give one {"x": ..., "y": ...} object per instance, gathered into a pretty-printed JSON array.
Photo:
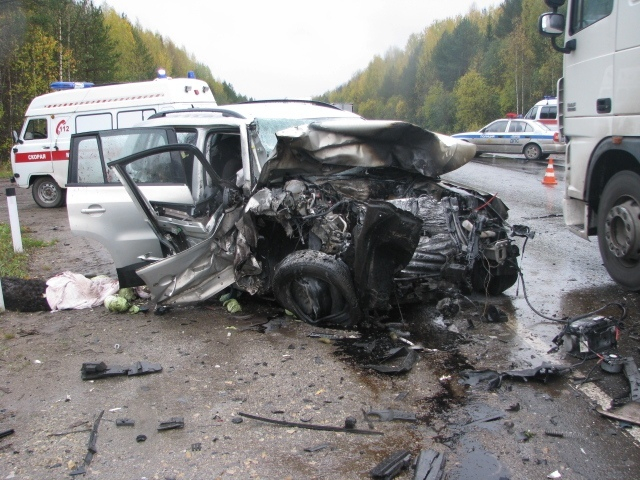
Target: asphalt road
[{"x": 217, "y": 364}]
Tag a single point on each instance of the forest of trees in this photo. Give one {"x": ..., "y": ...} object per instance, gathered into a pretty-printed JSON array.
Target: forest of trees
[
  {"x": 42, "y": 41},
  {"x": 460, "y": 73},
  {"x": 457, "y": 75}
]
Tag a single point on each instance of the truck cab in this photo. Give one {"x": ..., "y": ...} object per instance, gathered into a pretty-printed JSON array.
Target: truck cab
[{"x": 599, "y": 115}]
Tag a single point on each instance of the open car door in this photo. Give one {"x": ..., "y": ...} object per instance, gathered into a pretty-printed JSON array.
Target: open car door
[
  {"x": 98, "y": 205},
  {"x": 196, "y": 233}
]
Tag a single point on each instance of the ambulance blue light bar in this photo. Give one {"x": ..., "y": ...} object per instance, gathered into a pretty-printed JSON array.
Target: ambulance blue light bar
[{"x": 69, "y": 85}]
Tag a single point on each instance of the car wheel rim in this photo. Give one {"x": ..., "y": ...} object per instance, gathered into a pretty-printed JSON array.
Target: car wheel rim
[
  {"x": 48, "y": 192},
  {"x": 531, "y": 153},
  {"x": 622, "y": 231}
]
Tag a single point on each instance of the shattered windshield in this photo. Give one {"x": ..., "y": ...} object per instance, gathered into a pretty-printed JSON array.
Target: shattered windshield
[{"x": 268, "y": 127}]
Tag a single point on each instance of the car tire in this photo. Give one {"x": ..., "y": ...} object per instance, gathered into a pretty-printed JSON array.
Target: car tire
[
  {"x": 484, "y": 279},
  {"x": 619, "y": 229},
  {"x": 316, "y": 287},
  {"x": 47, "y": 193},
  {"x": 532, "y": 151}
]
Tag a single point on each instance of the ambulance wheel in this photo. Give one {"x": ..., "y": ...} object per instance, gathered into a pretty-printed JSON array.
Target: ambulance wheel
[
  {"x": 532, "y": 151},
  {"x": 619, "y": 229},
  {"x": 47, "y": 193}
]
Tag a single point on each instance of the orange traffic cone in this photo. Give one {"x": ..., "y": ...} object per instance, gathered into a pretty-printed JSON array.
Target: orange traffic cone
[{"x": 549, "y": 176}]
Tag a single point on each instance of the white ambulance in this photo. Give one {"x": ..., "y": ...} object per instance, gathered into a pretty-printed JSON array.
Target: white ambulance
[
  {"x": 545, "y": 111},
  {"x": 40, "y": 155}
]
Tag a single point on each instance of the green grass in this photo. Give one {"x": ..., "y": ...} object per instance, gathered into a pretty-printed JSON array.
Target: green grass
[
  {"x": 5, "y": 169},
  {"x": 15, "y": 264}
]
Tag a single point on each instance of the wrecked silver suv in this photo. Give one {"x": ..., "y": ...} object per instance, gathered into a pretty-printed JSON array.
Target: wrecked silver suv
[{"x": 335, "y": 216}]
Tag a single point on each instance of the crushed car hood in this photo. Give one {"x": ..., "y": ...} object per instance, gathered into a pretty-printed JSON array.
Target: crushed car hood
[{"x": 331, "y": 146}]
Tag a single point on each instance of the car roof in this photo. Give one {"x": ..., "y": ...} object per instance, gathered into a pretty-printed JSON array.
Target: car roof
[
  {"x": 534, "y": 123},
  {"x": 248, "y": 111}
]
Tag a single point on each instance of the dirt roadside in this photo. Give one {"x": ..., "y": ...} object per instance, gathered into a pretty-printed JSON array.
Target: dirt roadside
[{"x": 217, "y": 364}]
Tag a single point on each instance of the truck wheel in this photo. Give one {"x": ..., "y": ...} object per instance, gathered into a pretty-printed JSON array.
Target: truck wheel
[
  {"x": 532, "y": 151},
  {"x": 317, "y": 287},
  {"x": 619, "y": 229},
  {"x": 47, "y": 193}
]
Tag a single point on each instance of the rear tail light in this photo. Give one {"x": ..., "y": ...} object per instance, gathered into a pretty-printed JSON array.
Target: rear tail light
[{"x": 556, "y": 137}]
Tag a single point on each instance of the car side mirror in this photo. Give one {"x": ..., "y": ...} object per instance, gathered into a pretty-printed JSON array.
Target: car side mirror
[
  {"x": 551, "y": 24},
  {"x": 16, "y": 139}
]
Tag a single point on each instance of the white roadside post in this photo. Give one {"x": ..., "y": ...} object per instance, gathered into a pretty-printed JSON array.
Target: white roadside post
[{"x": 14, "y": 220}]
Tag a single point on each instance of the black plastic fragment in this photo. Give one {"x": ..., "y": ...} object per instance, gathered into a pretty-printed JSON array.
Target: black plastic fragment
[
  {"x": 196, "y": 447},
  {"x": 310, "y": 426},
  {"x": 141, "y": 438},
  {"x": 399, "y": 360},
  {"x": 429, "y": 465},
  {"x": 125, "y": 422},
  {"x": 392, "y": 465},
  {"x": 98, "y": 370},
  {"x": 391, "y": 415},
  {"x": 173, "y": 422},
  {"x": 544, "y": 373},
  {"x": 350, "y": 423},
  {"x": 6, "y": 433},
  {"x": 91, "y": 448},
  {"x": 317, "y": 448}
]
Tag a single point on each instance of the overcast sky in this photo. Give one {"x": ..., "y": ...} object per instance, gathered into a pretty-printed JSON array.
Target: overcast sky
[{"x": 288, "y": 48}]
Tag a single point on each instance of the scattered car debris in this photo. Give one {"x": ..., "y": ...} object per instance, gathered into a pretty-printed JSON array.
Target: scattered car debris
[
  {"x": 350, "y": 423},
  {"x": 98, "y": 370},
  {"x": 172, "y": 423},
  {"x": 429, "y": 465},
  {"x": 392, "y": 415},
  {"x": 392, "y": 465},
  {"x": 448, "y": 307},
  {"x": 629, "y": 412},
  {"x": 91, "y": 448},
  {"x": 612, "y": 363},
  {"x": 555, "y": 474},
  {"x": 316, "y": 448},
  {"x": 398, "y": 360},
  {"x": 141, "y": 438},
  {"x": 553, "y": 433},
  {"x": 543, "y": 373},
  {"x": 586, "y": 337},
  {"x": 493, "y": 314},
  {"x": 125, "y": 422},
  {"x": 310, "y": 426},
  {"x": 514, "y": 408},
  {"x": 490, "y": 418},
  {"x": 6, "y": 433},
  {"x": 196, "y": 447}
]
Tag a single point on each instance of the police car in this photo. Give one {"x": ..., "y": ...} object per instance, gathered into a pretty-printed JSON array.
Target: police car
[{"x": 515, "y": 136}]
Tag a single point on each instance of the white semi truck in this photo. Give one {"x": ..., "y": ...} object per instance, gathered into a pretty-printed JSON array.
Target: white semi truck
[
  {"x": 40, "y": 155},
  {"x": 599, "y": 114}
]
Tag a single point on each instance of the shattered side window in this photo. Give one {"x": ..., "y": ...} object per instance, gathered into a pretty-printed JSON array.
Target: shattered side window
[
  {"x": 164, "y": 167},
  {"x": 115, "y": 146},
  {"x": 89, "y": 165}
]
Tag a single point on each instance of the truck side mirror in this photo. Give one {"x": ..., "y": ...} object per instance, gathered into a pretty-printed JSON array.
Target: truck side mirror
[
  {"x": 555, "y": 4},
  {"x": 551, "y": 24},
  {"x": 16, "y": 139}
]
